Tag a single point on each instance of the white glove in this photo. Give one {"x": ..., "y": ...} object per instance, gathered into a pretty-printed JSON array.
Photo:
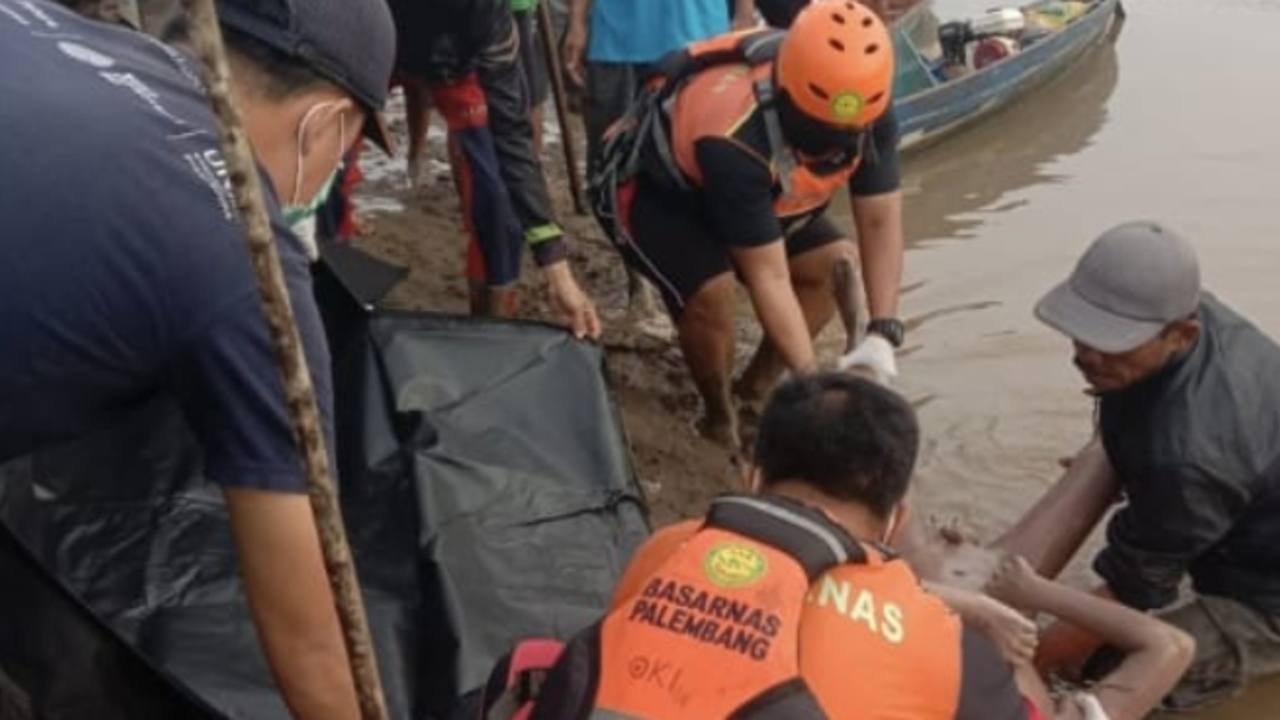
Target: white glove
[
  {"x": 874, "y": 356},
  {"x": 1090, "y": 706}
]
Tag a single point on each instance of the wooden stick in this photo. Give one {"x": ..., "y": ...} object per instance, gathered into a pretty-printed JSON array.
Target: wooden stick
[
  {"x": 546, "y": 30},
  {"x": 206, "y": 40}
]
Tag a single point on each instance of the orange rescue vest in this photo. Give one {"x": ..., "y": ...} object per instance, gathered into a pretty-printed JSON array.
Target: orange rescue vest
[
  {"x": 714, "y": 633},
  {"x": 716, "y": 103},
  {"x": 706, "y": 90}
]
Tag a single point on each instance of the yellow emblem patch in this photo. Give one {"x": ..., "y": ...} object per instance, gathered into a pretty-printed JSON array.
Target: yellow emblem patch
[
  {"x": 734, "y": 566},
  {"x": 847, "y": 105}
]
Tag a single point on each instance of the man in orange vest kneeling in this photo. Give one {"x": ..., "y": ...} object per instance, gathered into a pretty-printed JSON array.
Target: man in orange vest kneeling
[
  {"x": 725, "y": 165},
  {"x": 788, "y": 603}
]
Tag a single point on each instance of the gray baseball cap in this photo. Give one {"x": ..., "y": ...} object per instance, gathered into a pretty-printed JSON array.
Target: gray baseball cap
[
  {"x": 352, "y": 43},
  {"x": 1132, "y": 282}
]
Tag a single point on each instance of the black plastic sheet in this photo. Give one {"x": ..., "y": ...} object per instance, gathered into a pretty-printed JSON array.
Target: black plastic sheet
[{"x": 487, "y": 491}]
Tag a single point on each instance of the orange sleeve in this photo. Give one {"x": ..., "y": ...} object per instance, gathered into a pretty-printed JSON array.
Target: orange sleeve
[{"x": 655, "y": 551}]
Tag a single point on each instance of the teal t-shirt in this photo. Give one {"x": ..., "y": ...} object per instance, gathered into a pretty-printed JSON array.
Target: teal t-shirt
[
  {"x": 523, "y": 5},
  {"x": 642, "y": 31}
]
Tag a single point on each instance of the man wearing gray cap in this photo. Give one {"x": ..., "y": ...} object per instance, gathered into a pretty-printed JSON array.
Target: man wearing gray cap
[
  {"x": 1189, "y": 416},
  {"x": 124, "y": 273}
]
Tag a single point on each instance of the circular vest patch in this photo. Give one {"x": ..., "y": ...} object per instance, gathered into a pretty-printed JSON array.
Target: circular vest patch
[
  {"x": 847, "y": 105},
  {"x": 732, "y": 565}
]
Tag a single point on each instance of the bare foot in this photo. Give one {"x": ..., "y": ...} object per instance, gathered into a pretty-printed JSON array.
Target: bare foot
[
  {"x": 750, "y": 398},
  {"x": 721, "y": 431}
]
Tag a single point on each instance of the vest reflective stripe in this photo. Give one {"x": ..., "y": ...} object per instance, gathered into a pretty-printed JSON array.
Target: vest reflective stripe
[{"x": 716, "y": 103}]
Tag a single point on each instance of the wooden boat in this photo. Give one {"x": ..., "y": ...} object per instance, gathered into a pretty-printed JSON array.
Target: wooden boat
[{"x": 930, "y": 106}]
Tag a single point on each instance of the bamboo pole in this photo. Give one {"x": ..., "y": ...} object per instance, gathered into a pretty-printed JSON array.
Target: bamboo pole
[
  {"x": 547, "y": 31},
  {"x": 206, "y": 40}
]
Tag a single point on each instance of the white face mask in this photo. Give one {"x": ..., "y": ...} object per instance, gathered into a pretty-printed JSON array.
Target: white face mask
[
  {"x": 295, "y": 211},
  {"x": 894, "y": 518},
  {"x": 305, "y": 229}
]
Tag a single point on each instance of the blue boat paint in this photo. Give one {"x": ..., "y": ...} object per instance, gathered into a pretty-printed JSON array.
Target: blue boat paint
[{"x": 930, "y": 114}]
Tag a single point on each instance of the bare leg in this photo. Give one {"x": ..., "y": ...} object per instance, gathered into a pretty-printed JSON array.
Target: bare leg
[
  {"x": 1051, "y": 532},
  {"x": 418, "y": 116},
  {"x": 706, "y": 337},
  {"x": 811, "y": 276}
]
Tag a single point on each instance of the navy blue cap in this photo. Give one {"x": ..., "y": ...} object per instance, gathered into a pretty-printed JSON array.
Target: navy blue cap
[{"x": 351, "y": 43}]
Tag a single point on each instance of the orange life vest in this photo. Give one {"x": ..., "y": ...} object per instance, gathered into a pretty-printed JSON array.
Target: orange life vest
[
  {"x": 714, "y": 632},
  {"x": 716, "y": 103},
  {"x": 706, "y": 90}
]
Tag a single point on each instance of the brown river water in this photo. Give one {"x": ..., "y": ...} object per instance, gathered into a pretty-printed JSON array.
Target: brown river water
[{"x": 1178, "y": 120}]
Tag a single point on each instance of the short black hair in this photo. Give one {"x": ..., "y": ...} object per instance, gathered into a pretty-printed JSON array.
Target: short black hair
[
  {"x": 277, "y": 75},
  {"x": 847, "y": 436}
]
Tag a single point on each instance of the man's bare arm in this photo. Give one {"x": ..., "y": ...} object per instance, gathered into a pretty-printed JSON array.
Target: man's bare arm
[
  {"x": 292, "y": 605},
  {"x": 767, "y": 276},
  {"x": 878, "y": 219},
  {"x": 574, "y": 47}
]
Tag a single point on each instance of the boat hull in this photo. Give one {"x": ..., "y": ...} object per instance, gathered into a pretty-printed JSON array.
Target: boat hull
[{"x": 929, "y": 115}]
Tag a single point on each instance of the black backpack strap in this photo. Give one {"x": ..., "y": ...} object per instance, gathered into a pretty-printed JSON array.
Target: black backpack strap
[
  {"x": 645, "y": 122},
  {"x": 508, "y": 701},
  {"x": 780, "y": 156},
  {"x": 814, "y": 541},
  {"x": 754, "y": 48},
  {"x": 758, "y": 48},
  {"x": 791, "y": 700},
  {"x": 568, "y": 692}
]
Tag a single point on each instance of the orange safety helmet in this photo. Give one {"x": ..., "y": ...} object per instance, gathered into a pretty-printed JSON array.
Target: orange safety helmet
[{"x": 836, "y": 63}]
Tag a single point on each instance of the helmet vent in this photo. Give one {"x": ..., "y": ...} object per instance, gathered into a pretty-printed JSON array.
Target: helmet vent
[
  {"x": 836, "y": 44},
  {"x": 867, "y": 22},
  {"x": 819, "y": 92},
  {"x": 872, "y": 48},
  {"x": 875, "y": 98},
  {"x": 838, "y": 17}
]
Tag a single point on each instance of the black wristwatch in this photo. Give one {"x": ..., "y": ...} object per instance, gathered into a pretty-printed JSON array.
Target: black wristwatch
[{"x": 890, "y": 329}]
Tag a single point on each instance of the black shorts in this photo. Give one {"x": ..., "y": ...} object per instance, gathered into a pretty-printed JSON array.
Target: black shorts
[
  {"x": 673, "y": 245},
  {"x": 531, "y": 61}
]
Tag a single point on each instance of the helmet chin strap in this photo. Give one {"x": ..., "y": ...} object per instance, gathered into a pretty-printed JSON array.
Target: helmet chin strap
[{"x": 302, "y": 127}]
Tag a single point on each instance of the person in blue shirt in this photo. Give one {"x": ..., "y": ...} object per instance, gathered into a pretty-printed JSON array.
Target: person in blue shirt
[
  {"x": 124, "y": 273},
  {"x": 609, "y": 46}
]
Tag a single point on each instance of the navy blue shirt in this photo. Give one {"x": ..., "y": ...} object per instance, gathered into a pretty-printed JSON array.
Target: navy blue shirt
[
  {"x": 123, "y": 269},
  {"x": 1197, "y": 448}
]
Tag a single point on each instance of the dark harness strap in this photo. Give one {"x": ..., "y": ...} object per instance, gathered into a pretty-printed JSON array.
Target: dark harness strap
[
  {"x": 805, "y": 534},
  {"x": 781, "y": 157},
  {"x": 791, "y": 700}
]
